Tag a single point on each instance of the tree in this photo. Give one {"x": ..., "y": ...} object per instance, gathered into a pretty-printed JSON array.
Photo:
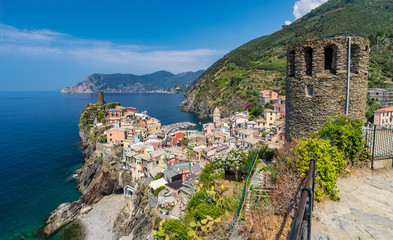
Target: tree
[
  {"x": 372, "y": 106},
  {"x": 235, "y": 159}
]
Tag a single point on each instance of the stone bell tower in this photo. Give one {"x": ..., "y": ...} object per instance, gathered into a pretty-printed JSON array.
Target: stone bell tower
[
  {"x": 321, "y": 83},
  {"x": 216, "y": 115}
]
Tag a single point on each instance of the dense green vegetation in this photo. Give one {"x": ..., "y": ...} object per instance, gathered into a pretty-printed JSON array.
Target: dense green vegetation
[
  {"x": 158, "y": 190},
  {"x": 330, "y": 162},
  {"x": 345, "y": 133},
  {"x": 338, "y": 143},
  {"x": 233, "y": 81},
  {"x": 372, "y": 106}
]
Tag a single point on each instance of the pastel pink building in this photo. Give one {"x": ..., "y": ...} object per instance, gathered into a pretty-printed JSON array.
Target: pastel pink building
[
  {"x": 279, "y": 106},
  {"x": 280, "y": 134},
  {"x": 115, "y": 135},
  {"x": 383, "y": 116},
  {"x": 266, "y": 95},
  {"x": 115, "y": 115}
]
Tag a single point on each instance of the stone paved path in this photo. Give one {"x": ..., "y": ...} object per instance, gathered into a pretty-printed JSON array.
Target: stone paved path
[
  {"x": 364, "y": 212},
  {"x": 255, "y": 181}
]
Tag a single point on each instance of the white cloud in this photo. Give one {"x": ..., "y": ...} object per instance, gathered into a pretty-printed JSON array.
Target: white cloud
[
  {"x": 287, "y": 22},
  {"x": 9, "y": 33},
  {"x": 302, "y": 7},
  {"x": 43, "y": 42}
]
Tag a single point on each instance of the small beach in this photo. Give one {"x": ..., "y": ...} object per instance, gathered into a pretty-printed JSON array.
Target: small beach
[{"x": 98, "y": 222}]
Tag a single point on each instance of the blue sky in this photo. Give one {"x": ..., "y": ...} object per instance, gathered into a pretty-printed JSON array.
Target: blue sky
[{"x": 47, "y": 45}]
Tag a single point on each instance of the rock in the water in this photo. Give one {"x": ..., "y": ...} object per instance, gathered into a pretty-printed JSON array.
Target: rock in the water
[{"x": 63, "y": 215}]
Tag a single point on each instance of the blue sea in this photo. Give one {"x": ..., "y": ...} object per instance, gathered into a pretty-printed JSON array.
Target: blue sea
[{"x": 39, "y": 150}]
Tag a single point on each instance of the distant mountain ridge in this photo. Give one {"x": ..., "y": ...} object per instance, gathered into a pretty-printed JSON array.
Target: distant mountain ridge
[{"x": 130, "y": 83}]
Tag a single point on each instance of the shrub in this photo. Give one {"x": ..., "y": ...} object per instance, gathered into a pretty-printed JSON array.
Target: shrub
[
  {"x": 197, "y": 199},
  {"x": 175, "y": 230},
  {"x": 101, "y": 116},
  {"x": 203, "y": 210},
  {"x": 285, "y": 190},
  {"x": 157, "y": 177},
  {"x": 344, "y": 132},
  {"x": 158, "y": 190},
  {"x": 235, "y": 158},
  {"x": 206, "y": 177},
  {"x": 113, "y": 104},
  {"x": 330, "y": 163},
  {"x": 102, "y": 139},
  {"x": 266, "y": 153}
]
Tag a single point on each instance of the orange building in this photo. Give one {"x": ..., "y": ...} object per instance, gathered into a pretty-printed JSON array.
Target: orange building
[
  {"x": 115, "y": 135},
  {"x": 176, "y": 137}
]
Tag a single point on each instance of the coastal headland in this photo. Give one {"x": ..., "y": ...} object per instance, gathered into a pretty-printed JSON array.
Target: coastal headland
[{"x": 103, "y": 177}]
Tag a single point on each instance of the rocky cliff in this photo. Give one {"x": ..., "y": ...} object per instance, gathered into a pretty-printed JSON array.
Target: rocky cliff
[
  {"x": 130, "y": 83},
  {"x": 134, "y": 221},
  {"x": 100, "y": 175}
]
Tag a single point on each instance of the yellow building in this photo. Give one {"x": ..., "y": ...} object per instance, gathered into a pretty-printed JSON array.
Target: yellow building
[
  {"x": 270, "y": 117},
  {"x": 261, "y": 123}
]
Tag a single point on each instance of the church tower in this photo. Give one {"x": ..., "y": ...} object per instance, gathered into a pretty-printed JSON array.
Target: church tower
[{"x": 216, "y": 115}]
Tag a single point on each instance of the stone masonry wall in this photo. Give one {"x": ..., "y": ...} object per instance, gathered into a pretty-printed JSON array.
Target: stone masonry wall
[{"x": 316, "y": 85}]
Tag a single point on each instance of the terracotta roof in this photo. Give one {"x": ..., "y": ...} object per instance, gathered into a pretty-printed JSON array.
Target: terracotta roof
[{"x": 388, "y": 109}]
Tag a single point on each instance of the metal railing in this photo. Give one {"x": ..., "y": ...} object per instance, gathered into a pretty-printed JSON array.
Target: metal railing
[
  {"x": 379, "y": 141},
  {"x": 245, "y": 188},
  {"x": 301, "y": 226}
]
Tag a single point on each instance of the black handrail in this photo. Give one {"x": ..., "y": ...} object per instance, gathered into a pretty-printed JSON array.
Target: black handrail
[{"x": 301, "y": 226}]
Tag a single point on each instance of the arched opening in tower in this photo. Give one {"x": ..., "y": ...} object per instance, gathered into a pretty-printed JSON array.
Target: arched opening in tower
[
  {"x": 330, "y": 59},
  {"x": 308, "y": 59},
  {"x": 355, "y": 58}
]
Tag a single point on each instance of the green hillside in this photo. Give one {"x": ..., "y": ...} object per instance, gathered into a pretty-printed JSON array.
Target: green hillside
[{"x": 234, "y": 81}]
